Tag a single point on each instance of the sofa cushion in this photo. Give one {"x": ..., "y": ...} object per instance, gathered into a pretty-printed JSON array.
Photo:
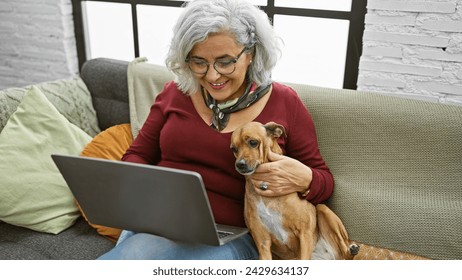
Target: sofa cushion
[
  {"x": 109, "y": 144},
  {"x": 70, "y": 97},
  {"x": 107, "y": 81},
  {"x": 33, "y": 193},
  {"x": 397, "y": 168},
  {"x": 79, "y": 242}
]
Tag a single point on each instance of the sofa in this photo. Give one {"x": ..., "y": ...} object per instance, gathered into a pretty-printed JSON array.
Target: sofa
[{"x": 397, "y": 162}]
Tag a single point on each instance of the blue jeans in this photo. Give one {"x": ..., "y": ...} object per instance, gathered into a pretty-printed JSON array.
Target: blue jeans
[{"x": 143, "y": 246}]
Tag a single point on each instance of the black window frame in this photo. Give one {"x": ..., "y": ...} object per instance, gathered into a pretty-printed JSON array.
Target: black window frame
[{"x": 355, "y": 34}]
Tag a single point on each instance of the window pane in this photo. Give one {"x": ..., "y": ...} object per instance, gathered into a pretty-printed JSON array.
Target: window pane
[
  {"x": 155, "y": 31},
  {"x": 108, "y": 30},
  {"x": 255, "y": 2},
  {"x": 314, "y": 53},
  {"x": 259, "y": 2},
  {"x": 333, "y": 5}
]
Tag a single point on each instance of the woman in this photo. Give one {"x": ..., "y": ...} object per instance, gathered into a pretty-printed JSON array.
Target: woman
[{"x": 222, "y": 54}]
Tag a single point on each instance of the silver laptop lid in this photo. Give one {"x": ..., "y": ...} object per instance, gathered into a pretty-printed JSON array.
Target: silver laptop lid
[{"x": 144, "y": 198}]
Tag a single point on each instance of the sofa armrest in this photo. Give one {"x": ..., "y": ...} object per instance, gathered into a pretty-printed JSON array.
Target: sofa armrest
[{"x": 106, "y": 79}]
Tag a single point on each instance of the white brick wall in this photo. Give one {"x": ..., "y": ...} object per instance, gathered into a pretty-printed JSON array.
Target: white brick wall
[
  {"x": 413, "y": 48},
  {"x": 37, "y": 42}
]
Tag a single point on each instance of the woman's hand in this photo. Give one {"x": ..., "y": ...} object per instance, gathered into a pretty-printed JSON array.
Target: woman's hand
[{"x": 282, "y": 175}]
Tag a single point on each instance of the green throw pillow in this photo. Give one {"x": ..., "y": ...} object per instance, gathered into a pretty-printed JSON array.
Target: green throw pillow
[{"x": 33, "y": 193}]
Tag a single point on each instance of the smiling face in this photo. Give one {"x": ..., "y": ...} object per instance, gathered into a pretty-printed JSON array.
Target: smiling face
[{"x": 222, "y": 46}]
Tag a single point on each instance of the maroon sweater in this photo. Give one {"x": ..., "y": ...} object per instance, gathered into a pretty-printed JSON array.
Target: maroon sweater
[{"x": 174, "y": 135}]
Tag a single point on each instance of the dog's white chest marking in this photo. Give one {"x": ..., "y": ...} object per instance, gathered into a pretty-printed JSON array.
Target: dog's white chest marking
[
  {"x": 272, "y": 220},
  {"x": 323, "y": 251}
]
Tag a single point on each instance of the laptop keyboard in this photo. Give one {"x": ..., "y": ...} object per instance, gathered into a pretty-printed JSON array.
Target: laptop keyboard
[{"x": 223, "y": 234}]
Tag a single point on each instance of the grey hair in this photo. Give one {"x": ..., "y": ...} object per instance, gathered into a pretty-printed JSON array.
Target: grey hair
[{"x": 249, "y": 25}]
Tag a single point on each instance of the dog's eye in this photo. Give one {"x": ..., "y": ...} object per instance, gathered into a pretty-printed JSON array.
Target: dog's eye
[
  {"x": 234, "y": 149},
  {"x": 253, "y": 143}
]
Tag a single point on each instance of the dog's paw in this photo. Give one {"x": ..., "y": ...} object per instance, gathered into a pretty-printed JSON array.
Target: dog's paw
[{"x": 354, "y": 249}]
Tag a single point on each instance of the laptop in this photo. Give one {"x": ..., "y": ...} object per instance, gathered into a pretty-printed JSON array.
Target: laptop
[{"x": 163, "y": 201}]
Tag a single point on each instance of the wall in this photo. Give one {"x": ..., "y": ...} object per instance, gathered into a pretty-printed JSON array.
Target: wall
[
  {"x": 413, "y": 48},
  {"x": 37, "y": 42}
]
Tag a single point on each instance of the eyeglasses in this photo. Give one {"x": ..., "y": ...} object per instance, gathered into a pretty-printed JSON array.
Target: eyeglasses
[{"x": 222, "y": 66}]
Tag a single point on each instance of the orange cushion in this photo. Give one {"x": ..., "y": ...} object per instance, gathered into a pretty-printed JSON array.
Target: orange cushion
[{"x": 109, "y": 144}]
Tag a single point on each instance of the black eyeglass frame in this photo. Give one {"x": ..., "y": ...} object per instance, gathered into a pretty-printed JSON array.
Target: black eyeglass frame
[{"x": 234, "y": 61}]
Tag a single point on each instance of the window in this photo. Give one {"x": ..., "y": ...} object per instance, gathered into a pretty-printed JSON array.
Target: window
[
  {"x": 312, "y": 55},
  {"x": 322, "y": 39},
  {"x": 109, "y": 30}
]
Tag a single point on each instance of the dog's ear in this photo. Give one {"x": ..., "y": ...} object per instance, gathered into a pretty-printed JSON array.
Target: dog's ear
[{"x": 275, "y": 130}]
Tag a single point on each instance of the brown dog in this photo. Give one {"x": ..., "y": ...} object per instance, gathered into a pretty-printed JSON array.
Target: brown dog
[{"x": 285, "y": 227}]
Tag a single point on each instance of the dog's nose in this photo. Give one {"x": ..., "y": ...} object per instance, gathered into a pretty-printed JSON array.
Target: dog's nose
[{"x": 241, "y": 164}]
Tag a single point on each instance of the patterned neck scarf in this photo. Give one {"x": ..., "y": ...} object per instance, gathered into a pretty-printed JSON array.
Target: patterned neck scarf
[{"x": 221, "y": 112}]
